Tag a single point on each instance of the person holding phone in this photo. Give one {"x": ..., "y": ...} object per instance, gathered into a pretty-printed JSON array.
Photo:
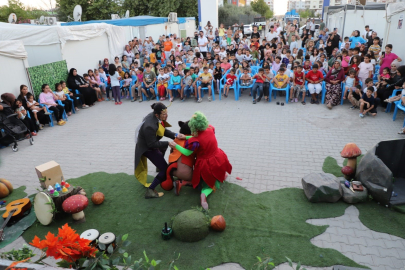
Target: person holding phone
[{"x": 387, "y": 58}]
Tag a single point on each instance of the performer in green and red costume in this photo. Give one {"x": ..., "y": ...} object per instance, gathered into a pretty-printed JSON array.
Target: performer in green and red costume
[{"x": 212, "y": 163}]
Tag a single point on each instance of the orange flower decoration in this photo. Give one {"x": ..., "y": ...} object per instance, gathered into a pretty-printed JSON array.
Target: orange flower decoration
[{"x": 67, "y": 245}]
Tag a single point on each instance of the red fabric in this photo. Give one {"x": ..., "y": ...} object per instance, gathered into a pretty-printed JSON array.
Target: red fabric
[
  {"x": 314, "y": 76},
  {"x": 258, "y": 78},
  {"x": 212, "y": 163},
  {"x": 162, "y": 90},
  {"x": 299, "y": 78},
  {"x": 230, "y": 79},
  {"x": 168, "y": 183}
]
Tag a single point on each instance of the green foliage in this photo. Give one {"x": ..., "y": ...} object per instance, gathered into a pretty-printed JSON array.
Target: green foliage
[
  {"x": 307, "y": 13},
  {"x": 108, "y": 258},
  {"x": 261, "y": 7},
  {"x": 269, "y": 14},
  {"x": 263, "y": 264},
  {"x": 232, "y": 13},
  {"x": 298, "y": 266},
  {"x": 22, "y": 12},
  {"x": 47, "y": 74},
  {"x": 102, "y": 9},
  {"x": 18, "y": 255}
]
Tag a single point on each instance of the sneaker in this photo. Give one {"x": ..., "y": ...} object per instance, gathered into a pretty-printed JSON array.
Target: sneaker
[
  {"x": 209, "y": 98},
  {"x": 316, "y": 102},
  {"x": 107, "y": 99},
  {"x": 254, "y": 101},
  {"x": 153, "y": 98},
  {"x": 132, "y": 100},
  {"x": 48, "y": 113},
  {"x": 296, "y": 100},
  {"x": 199, "y": 100},
  {"x": 171, "y": 99},
  {"x": 140, "y": 100},
  {"x": 352, "y": 107},
  {"x": 33, "y": 133},
  {"x": 150, "y": 194},
  {"x": 292, "y": 100},
  {"x": 41, "y": 127},
  {"x": 312, "y": 101},
  {"x": 119, "y": 103},
  {"x": 148, "y": 98},
  {"x": 116, "y": 103},
  {"x": 361, "y": 115},
  {"x": 37, "y": 122},
  {"x": 367, "y": 113}
]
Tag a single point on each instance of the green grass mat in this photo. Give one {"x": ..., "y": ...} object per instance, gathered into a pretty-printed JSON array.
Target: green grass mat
[
  {"x": 267, "y": 224},
  {"x": 18, "y": 193},
  {"x": 330, "y": 165}
]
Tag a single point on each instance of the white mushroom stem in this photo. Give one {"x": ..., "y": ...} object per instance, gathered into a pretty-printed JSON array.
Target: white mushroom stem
[
  {"x": 352, "y": 162},
  {"x": 78, "y": 216}
]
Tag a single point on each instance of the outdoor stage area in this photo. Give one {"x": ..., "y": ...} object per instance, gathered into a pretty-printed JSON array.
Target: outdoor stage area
[{"x": 270, "y": 147}]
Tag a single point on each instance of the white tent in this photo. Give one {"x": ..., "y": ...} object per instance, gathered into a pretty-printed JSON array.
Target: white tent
[
  {"x": 13, "y": 59},
  {"x": 82, "y": 46},
  {"x": 395, "y": 30}
]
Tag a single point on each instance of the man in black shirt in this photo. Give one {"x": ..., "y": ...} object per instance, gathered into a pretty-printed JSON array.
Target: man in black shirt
[{"x": 335, "y": 38}]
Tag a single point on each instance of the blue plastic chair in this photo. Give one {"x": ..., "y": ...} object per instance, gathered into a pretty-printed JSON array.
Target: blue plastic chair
[
  {"x": 235, "y": 87},
  {"x": 77, "y": 92},
  {"x": 243, "y": 86},
  {"x": 275, "y": 89},
  {"x": 398, "y": 105},
  {"x": 309, "y": 94},
  {"x": 394, "y": 93}
]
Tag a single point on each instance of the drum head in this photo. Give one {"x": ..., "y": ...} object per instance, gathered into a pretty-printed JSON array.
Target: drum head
[
  {"x": 91, "y": 235},
  {"x": 106, "y": 238},
  {"x": 43, "y": 208}
]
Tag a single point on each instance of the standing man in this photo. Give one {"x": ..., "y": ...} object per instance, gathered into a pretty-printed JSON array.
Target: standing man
[
  {"x": 307, "y": 25},
  {"x": 202, "y": 43},
  {"x": 279, "y": 28},
  {"x": 292, "y": 32},
  {"x": 367, "y": 32},
  {"x": 242, "y": 28},
  {"x": 335, "y": 38},
  {"x": 321, "y": 25},
  {"x": 312, "y": 27},
  {"x": 167, "y": 46}
]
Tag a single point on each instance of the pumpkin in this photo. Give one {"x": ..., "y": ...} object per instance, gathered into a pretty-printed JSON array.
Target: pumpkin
[
  {"x": 5, "y": 188},
  {"x": 218, "y": 223},
  {"x": 97, "y": 198}
]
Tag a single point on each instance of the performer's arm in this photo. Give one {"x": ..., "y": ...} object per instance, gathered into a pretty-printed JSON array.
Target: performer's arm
[
  {"x": 188, "y": 149},
  {"x": 151, "y": 141},
  {"x": 184, "y": 151},
  {"x": 170, "y": 134},
  {"x": 189, "y": 137}
]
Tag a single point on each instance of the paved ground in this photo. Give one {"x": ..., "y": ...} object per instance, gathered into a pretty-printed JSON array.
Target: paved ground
[{"x": 269, "y": 146}]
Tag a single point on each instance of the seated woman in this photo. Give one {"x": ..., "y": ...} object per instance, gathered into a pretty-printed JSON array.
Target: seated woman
[
  {"x": 105, "y": 65},
  {"x": 212, "y": 164},
  {"x": 76, "y": 82},
  {"x": 333, "y": 85},
  {"x": 47, "y": 97},
  {"x": 42, "y": 118},
  {"x": 396, "y": 82}
]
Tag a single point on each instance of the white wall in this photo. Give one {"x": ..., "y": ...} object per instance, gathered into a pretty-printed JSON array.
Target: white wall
[
  {"x": 13, "y": 74},
  {"x": 85, "y": 54},
  {"x": 396, "y": 36},
  {"x": 359, "y": 19},
  {"x": 190, "y": 27},
  {"x": 155, "y": 30},
  {"x": 40, "y": 55},
  {"x": 209, "y": 12}
]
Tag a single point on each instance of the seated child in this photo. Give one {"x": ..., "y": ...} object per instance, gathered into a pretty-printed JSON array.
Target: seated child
[
  {"x": 20, "y": 110},
  {"x": 268, "y": 76},
  {"x": 34, "y": 107},
  {"x": 354, "y": 97},
  {"x": 257, "y": 89},
  {"x": 175, "y": 84},
  {"x": 307, "y": 65},
  {"x": 384, "y": 77},
  {"x": 205, "y": 79},
  {"x": 162, "y": 83},
  {"x": 350, "y": 82},
  {"x": 187, "y": 84},
  {"x": 137, "y": 86},
  {"x": 126, "y": 84},
  {"x": 245, "y": 79},
  {"x": 298, "y": 85},
  {"x": 276, "y": 64},
  {"x": 400, "y": 96},
  {"x": 62, "y": 97},
  {"x": 217, "y": 74},
  {"x": 281, "y": 79},
  {"x": 230, "y": 79},
  {"x": 367, "y": 103}
]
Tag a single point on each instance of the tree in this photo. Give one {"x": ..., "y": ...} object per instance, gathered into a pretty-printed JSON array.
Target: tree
[
  {"x": 92, "y": 9},
  {"x": 260, "y": 7},
  {"x": 308, "y": 13},
  {"x": 23, "y": 13},
  {"x": 230, "y": 14}
]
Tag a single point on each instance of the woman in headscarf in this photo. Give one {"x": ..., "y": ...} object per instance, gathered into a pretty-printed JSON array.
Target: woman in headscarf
[
  {"x": 333, "y": 84},
  {"x": 76, "y": 82},
  {"x": 42, "y": 118},
  {"x": 9, "y": 106},
  {"x": 105, "y": 65},
  {"x": 385, "y": 93},
  {"x": 149, "y": 146},
  {"x": 129, "y": 54},
  {"x": 212, "y": 164}
]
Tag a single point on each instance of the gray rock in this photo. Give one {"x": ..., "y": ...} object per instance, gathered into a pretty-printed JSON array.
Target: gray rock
[
  {"x": 353, "y": 197},
  {"x": 375, "y": 176},
  {"x": 321, "y": 187}
]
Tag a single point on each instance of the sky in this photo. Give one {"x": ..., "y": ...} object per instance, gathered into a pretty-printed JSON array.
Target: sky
[
  {"x": 33, "y": 3},
  {"x": 280, "y": 7}
]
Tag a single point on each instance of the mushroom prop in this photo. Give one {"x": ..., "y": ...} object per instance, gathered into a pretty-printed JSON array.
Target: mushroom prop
[
  {"x": 351, "y": 152},
  {"x": 75, "y": 205},
  {"x": 348, "y": 172}
]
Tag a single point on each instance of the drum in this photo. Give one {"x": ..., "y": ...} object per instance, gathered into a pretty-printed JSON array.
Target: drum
[
  {"x": 107, "y": 239},
  {"x": 91, "y": 235},
  {"x": 44, "y": 208}
]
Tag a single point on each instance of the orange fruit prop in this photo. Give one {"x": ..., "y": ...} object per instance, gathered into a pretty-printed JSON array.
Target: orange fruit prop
[
  {"x": 218, "y": 223},
  {"x": 5, "y": 188},
  {"x": 97, "y": 198}
]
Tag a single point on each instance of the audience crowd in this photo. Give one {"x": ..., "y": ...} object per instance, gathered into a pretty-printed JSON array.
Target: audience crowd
[{"x": 327, "y": 65}]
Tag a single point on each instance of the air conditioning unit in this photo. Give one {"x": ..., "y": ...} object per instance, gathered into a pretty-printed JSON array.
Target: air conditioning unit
[
  {"x": 114, "y": 17},
  {"x": 172, "y": 17},
  {"x": 50, "y": 20}
]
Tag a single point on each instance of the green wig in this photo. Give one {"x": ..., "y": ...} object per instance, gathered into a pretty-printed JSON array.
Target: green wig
[{"x": 198, "y": 122}]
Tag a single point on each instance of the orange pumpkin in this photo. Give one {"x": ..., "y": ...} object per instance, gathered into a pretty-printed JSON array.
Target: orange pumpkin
[
  {"x": 97, "y": 198},
  {"x": 218, "y": 223},
  {"x": 5, "y": 188}
]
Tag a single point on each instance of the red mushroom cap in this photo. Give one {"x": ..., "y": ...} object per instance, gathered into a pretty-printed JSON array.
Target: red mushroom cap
[
  {"x": 347, "y": 170},
  {"x": 74, "y": 204},
  {"x": 351, "y": 150}
]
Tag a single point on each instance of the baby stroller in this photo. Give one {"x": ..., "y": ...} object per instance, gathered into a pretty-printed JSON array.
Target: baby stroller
[{"x": 12, "y": 129}]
